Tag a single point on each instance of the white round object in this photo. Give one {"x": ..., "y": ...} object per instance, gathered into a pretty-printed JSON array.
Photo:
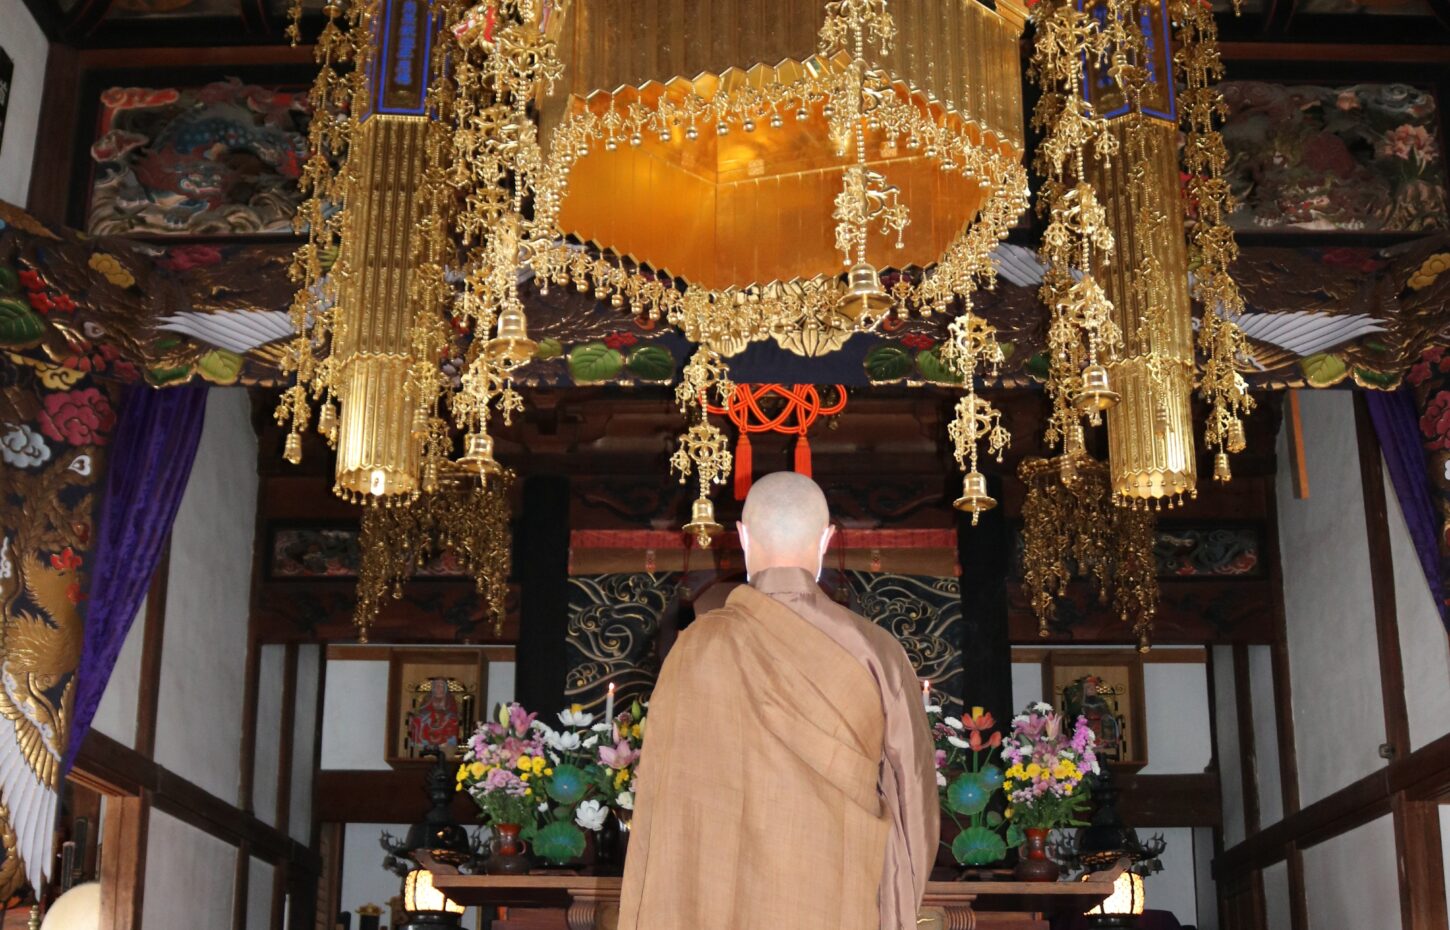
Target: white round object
[{"x": 77, "y": 909}]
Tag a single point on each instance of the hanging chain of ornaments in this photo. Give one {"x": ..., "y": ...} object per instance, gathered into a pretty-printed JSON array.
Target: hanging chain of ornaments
[{"x": 1114, "y": 41}]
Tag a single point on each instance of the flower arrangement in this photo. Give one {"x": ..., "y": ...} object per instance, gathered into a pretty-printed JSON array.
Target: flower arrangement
[
  {"x": 553, "y": 783},
  {"x": 621, "y": 741},
  {"x": 1049, "y": 769},
  {"x": 967, "y": 779}
]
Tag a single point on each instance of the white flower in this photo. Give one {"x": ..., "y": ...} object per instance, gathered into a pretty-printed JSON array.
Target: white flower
[
  {"x": 591, "y": 742},
  {"x": 23, "y": 447},
  {"x": 952, "y": 722},
  {"x": 626, "y": 800},
  {"x": 543, "y": 807},
  {"x": 933, "y": 708},
  {"x": 958, "y": 742},
  {"x": 1042, "y": 707},
  {"x": 941, "y": 780},
  {"x": 563, "y": 742},
  {"x": 591, "y": 815},
  {"x": 601, "y": 727},
  {"x": 575, "y": 718}
]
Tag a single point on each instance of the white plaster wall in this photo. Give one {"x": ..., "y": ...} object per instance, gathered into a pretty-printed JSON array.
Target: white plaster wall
[
  {"x": 116, "y": 714},
  {"x": 501, "y": 682},
  {"x": 189, "y": 877},
  {"x": 1338, "y": 709},
  {"x": 364, "y": 880},
  {"x": 304, "y": 742},
  {"x": 1175, "y": 888},
  {"x": 1026, "y": 684},
  {"x": 1350, "y": 881},
  {"x": 272, "y": 663},
  {"x": 1276, "y": 896},
  {"x": 207, "y": 600},
  {"x": 1230, "y": 777},
  {"x": 1203, "y": 876},
  {"x": 259, "y": 894},
  {"x": 354, "y": 711},
  {"x": 1424, "y": 647},
  {"x": 1176, "y": 697},
  {"x": 26, "y": 45},
  {"x": 1266, "y": 735},
  {"x": 1445, "y": 856}
]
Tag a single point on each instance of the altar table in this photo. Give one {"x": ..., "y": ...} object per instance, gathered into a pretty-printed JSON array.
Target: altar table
[{"x": 592, "y": 902}]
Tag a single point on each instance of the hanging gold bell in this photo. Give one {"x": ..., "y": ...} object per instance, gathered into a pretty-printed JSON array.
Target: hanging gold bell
[
  {"x": 327, "y": 422},
  {"x": 702, "y": 521},
  {"x": 512, "y": 346},
  {"x": 1097, "y": 393},
  {"x": 864, "y": 301},
  {"x": 975, "y": 499},
  {"x": 1235, "y": 441},
  {"x": 1221, "y": 471},
  {"x": 478, "y": 455},
  {"x": 292, "y": 448}
]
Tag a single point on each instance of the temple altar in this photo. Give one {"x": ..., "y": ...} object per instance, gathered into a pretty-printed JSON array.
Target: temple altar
[{"x": 591, "y": 902}]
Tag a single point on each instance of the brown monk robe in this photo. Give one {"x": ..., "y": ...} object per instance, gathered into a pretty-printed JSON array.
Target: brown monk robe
[{"x": 788, "y": 777}]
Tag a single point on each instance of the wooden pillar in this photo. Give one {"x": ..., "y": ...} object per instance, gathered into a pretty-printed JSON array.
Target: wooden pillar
[
  {"x": 541, "y": 552},
  {"x": 984, "y": 552}
]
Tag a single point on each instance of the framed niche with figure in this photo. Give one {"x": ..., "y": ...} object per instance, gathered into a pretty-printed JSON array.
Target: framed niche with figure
[
  {"x": 1106, "y": 688},
  {"x": 434, "y": 699}
]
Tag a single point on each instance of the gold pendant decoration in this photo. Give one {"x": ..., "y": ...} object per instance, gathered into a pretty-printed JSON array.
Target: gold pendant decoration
[
  {"x": 1071, "y": 529},
  {"x": 463, "y": 517}
]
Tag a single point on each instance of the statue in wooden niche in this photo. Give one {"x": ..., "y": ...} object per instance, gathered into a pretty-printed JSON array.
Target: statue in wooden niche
[{"x": 434, "y": 723}]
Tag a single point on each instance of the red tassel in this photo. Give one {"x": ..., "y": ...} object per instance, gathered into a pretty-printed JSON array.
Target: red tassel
[
  {"x": 743, "y": 466},
  {"x": 803, "y": 456}
]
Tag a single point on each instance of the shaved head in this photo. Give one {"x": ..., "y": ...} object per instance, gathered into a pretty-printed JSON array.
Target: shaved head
[{"x": 785, "y": 524}]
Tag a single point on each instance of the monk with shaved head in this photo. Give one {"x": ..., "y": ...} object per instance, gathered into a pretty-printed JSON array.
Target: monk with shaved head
[{"x": 788, "y": 777}]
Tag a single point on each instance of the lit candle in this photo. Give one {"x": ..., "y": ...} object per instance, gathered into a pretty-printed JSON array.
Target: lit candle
[
  {"x": 609, "y": 705},
  {"x": 926, "y": 693}
]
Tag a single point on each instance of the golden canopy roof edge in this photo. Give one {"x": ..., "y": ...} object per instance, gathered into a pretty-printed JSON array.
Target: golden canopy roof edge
[{"x": 666, "y": 177}]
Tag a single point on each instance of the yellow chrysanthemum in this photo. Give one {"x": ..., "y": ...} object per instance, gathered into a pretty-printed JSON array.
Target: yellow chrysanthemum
[
  {"x": 1034, "y": 770},
  {"x": 477, "y": 770},
  {"x": 525, "y": 764},
  {"x": 621, "y": 778}
]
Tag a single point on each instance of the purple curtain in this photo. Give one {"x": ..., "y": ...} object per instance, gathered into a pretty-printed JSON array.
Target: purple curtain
[
  {"x": 150, "y": 460},
  {"x": 1397, "y": 424}
]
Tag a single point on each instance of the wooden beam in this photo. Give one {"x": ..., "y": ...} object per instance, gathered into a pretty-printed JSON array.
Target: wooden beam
[
  {"x": 1382, "y": 583},
  {"x": 51, "y": 168},
  {"x": 1284, "y": 716},
  {"x": 1170, "y": 800},
  {"x": 123, "y": 861},
  {"x": 1334, "y": 52},
  {"x": 1298, "y": 465},
  {"x": 105, "y": 761},
  {"x": 984, "y": 554},
  {"x": 379, "y": 796},
  {"x": 314, "y": 828},
  {"x": 1279, "y": 657},
  {"x": 1298, "y": 897},
  {"x": 1419, "y": 855},
  {"x": 251, "y": 684},
  {"x": 285, "y": 736},
  {"x": 1423, "y": 776},
  {"x": 240, "y": 881},
  {"x": 1248, "y": 751},
  {"x": 148, "y": 695}
]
